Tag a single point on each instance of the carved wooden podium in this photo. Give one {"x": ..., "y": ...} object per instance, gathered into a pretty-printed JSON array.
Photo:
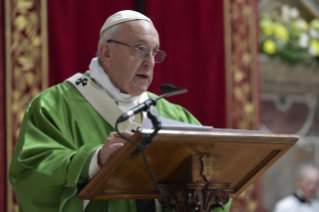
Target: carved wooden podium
[{"x": 193, "y": 168}]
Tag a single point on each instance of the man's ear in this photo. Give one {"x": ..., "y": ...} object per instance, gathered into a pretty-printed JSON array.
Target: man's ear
[{"x": 104, "y": 52}]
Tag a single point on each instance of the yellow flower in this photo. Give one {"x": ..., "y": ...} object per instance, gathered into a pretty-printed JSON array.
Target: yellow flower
[
  {"x": 267, "y": 26},
  {"x": 299, "y": 26},
  {"x": 269, "y": 46},
  {"x": 314, "y": 47},
  {"x": 315, "y": 24},
  {"x": 281, "y": 32}
]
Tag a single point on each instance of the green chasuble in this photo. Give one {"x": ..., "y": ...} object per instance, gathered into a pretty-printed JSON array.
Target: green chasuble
[{"x": 58, "y": 137}]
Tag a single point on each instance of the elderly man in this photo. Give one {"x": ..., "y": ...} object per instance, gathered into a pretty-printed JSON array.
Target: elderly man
[
  {"x": 306, "y": 186},
  {"x": 67, "y": 133}
]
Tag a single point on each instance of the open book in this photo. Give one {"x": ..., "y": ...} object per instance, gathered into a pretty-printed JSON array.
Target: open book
[
  {"x": 168, "y": 124},
  {"x": 175, "y": 125}
]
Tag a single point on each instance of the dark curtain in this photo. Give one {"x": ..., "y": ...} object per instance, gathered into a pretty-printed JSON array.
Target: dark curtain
[
  {"x": 74, "y": 31},
  {"x": 191, "y": 33}
]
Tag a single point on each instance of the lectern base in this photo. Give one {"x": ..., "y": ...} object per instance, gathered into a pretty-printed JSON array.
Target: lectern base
[{"x": 197, "y": 196}]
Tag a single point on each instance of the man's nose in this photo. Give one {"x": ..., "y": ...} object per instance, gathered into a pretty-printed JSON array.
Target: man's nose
[{"x": 150, "y": 59}]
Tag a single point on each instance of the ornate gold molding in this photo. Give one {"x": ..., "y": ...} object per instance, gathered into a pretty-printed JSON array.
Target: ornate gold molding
[
  {"x": 26, "y": 66},
  {"x": 242, "y": 104},
  {"x": 242, "y": 92}
]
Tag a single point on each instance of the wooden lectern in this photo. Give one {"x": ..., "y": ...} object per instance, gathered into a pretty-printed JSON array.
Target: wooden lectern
[{"x": 193, "y": 168}]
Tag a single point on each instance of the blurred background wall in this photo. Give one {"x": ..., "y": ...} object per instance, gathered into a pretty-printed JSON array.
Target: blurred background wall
[{"x": 289, "y": 87}]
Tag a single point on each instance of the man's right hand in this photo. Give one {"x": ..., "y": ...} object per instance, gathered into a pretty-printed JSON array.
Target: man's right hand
[{"x": 112, "y": 144}]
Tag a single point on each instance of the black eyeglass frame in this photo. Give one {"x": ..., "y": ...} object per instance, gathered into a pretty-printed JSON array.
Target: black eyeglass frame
[{"x": 136, "y": 48}]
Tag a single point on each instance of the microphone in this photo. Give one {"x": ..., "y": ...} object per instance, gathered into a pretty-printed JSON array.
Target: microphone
[
  {"x": 171, "y": 91},
  {"x": 139, "y": 108},
  {"x": 169, "y": 88}
]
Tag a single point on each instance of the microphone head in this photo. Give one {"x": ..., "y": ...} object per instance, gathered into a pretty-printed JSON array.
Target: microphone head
[{"x": 166, "y": 88}]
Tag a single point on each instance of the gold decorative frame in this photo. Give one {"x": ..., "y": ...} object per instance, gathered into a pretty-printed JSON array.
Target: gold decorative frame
[
  {"x": 242, "y": 90},
  {"x": 26, "y": 42},
  {"x": 241, "y": 63}
]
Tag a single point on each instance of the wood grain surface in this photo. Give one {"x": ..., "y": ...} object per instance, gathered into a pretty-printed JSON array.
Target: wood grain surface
[{"x": 242, "y": 157}]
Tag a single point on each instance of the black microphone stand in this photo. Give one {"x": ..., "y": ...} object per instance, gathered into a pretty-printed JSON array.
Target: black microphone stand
[{"x": 152, "y": 114}]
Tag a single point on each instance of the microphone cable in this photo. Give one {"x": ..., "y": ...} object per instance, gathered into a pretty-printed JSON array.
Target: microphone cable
[{"x": 146, "y": 162}]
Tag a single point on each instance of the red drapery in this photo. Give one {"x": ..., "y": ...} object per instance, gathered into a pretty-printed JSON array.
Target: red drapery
[
  {"x": 73, "y": 28},
  {"x": 190, "y": 33}
]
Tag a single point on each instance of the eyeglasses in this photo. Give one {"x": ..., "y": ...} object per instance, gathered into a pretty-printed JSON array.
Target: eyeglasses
[{"x": 141, "y": 52}]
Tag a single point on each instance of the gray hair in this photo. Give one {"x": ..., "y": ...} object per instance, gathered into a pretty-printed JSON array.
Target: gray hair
[
  {"x": 302, "y": 168},
  {"x": 108, "y": 34}
]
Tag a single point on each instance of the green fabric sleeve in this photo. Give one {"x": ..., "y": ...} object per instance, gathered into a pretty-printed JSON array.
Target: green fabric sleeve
[
  {"x": 85, "y": 171},
  {"x": 50, "y": 156}
]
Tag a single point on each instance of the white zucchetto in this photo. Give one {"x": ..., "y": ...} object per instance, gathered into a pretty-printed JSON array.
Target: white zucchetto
[{"x": 123, "y": 16}]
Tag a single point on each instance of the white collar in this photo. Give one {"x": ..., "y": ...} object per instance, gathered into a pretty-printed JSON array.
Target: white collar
[{"x": 97, "y": 73}]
